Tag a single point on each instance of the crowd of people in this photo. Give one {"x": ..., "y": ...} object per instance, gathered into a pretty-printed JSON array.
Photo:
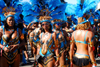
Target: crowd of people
[{"x": 54, "y": 42}]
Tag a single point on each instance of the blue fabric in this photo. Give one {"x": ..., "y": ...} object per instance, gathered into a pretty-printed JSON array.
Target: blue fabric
[
  {"x": 23, "y": 58},
  {"x": 62, "y": 45},
  {"x": 9, "y": 16},
  {"x": 47, "y": 54},
  {"x": 48, "y": 50},
  {"x": 83, "y": 22},
  {"x": 23, "y": 31},
  {"x": 73, "y": 28},
  {"x": 82, "y": 54},
  {"x": 45, "y": 21},
  {"x": 35, "y": 40}
]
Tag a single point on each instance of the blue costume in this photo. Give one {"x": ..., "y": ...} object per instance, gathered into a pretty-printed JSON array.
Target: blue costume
[
  {"x": 49, "y": 54},
  {"x": 62, "y": 41},
  {"x": 36, "y": 35},
  {"x": 11, "y": 55}
]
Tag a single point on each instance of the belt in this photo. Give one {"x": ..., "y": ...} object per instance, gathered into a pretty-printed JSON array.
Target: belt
[{"x": 81, "y": 56}]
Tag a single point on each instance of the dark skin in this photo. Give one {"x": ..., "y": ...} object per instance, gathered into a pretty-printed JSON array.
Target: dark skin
[
  {"x": 45, "y": 26},
  {"x": 61, "y": 62},
  {"x": 10, "y": 22},
  {"x": 35, "y": 49}
]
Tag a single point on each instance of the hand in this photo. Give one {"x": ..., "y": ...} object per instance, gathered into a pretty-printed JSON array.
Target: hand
[
  {"x": 57, "y": 63},
  {"x": 6, "y": 49},
  {"x": 13, "y": 47},
  {"x": 71, "y": 64}
]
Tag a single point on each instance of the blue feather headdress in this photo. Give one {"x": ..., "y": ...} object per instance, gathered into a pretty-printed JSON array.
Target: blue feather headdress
[
  {"x": 10, "y": 8},
  {"x": 37, "y": 8},
  {"x": 82, "y": 8}
]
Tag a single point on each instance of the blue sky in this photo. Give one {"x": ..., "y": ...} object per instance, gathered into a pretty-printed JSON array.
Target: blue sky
[{"x": 71, "y": 1}]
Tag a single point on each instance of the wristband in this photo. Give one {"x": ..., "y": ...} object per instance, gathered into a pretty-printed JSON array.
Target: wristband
[
  {"x": 93, "y": 62},
  {"x": 58, "y": 58}
]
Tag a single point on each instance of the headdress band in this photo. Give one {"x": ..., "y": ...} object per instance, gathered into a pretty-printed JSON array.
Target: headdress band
[
  {"x": 45, "y": 21},
  {"x": 83, "y": 22},
  {"x": 9, "y": 16},
  {"x": 56, "y": 22}
]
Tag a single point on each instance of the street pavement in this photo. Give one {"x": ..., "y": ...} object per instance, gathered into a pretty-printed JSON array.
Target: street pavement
[{"x": 32, "y": 60}]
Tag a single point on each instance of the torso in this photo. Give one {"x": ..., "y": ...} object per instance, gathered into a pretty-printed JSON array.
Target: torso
[
  {"x": 46, "y": 38},
  {"x": 79, "y": 35},
  {"x": 36, "y": 31},
  {"x": 14, "y": 38}
]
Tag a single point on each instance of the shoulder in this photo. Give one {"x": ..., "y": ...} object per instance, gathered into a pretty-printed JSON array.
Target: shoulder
[
  {"x": 74, "y": 32},
  {"x": 90, "y": 33}
]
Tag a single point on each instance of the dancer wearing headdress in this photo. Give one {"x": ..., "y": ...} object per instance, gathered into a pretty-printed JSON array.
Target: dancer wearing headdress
[
  {"x": 61, "y": 40},
  {"x": 13, "y": 39},
  {"x": 34, "y": 38},
  {"x": 47, "y": 43},
  {"x": 84, "y": 42}
]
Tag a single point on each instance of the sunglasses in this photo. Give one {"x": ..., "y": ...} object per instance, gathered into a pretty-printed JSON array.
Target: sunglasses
[
  {"x": 58, "y": 24},
  {"x": 45, "y": 24}
]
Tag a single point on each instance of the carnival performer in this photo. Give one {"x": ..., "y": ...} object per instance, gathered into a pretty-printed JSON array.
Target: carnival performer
[
  {"x": 61, "y": 40},
  {"x": 98, "y": 48},
  {"x": 24, "y": 49},
  {"x": 84, "y": 43},
  {"x": 34, "y": 38},
  {"x": 47, "y": 43},
  {"x": 12, "y": 39}
]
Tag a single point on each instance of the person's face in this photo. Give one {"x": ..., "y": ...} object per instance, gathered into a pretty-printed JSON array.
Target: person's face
[
  {"x": 10, "y": 21},
  {"x": 58, "y": 25},
  {"x": 45, "y": 25}
]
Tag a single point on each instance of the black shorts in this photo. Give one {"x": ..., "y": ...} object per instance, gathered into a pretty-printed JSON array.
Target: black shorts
[{"x": 80, "y": 61}]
